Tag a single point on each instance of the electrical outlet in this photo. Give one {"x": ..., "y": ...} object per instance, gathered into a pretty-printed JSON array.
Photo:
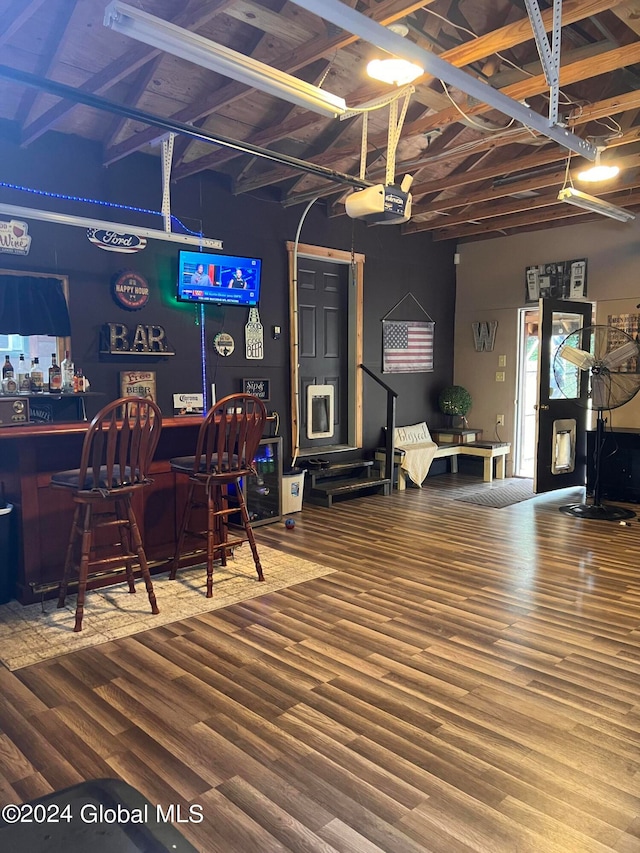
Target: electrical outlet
[
  {"x": 499, "y": 420},
  {"x": 499, "y": 376}
]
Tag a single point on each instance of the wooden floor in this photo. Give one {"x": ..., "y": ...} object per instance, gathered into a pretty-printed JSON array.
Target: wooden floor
[{"x": 466, "y": 680}]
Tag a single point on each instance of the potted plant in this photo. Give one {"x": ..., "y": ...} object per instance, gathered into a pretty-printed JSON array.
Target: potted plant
[{"x": 455, "y": 401}]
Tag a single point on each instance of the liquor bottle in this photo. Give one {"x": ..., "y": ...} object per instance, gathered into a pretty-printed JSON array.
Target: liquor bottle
[
  {"x": 78, "y": 381},
  {"x": 37, "y": 376},
  {"x": 24, "y": 380},
  {"x": 7, "y": 368},
  {"x": 67, "y": 373},
  {"x": 55, "y": 375}
]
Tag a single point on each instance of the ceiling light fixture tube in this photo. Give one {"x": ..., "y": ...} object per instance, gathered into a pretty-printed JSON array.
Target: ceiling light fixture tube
[
  {"x": 183, "y": 43},
  {"x": 595, "y": 205}
]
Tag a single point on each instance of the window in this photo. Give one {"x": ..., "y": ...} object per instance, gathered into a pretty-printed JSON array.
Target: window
[{"x": 15, "y": 339}]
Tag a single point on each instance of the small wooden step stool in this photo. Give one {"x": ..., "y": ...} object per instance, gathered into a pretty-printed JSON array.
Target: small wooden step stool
[{"x": 343, "y": 480}]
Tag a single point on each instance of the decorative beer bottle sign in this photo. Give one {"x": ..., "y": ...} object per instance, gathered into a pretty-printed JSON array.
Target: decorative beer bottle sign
[{"x": 254, "y": 335}]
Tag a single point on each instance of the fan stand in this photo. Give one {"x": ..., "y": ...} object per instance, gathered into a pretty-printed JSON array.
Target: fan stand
[{"x": 597, "y": 509}]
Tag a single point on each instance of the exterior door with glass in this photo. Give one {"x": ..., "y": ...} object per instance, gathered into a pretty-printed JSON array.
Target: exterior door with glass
[{"x": 561, "y": 415}]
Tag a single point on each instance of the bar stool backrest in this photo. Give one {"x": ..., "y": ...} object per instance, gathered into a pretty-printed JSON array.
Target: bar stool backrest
[
  {"x": 229, "y": 435},
  {"x": 119, "y": 445}
]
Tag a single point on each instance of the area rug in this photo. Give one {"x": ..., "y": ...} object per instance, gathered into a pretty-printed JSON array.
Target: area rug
[
  {"x": 28, "y": 636},
  {"x": 506, "y": 494}
]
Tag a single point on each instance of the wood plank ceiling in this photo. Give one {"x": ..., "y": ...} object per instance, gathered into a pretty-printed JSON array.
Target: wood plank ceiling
[{"x": 476, "y": 174}]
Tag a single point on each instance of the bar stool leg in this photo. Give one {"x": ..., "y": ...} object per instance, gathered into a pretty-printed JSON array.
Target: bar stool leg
[
  {"x": 212, "y": 519},
  {"x": 125, "y": 544},
  {"x": 68, "y": 563},
  {"x": 142, "y": 557},
  {"x": 84, "y": 568},
  {"x": 186, "y": 515},
  {"x": 249, "y": 531}
]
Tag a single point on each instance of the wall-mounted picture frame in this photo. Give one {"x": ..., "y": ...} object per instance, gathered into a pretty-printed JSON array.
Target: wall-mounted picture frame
[
  {"x": 260, "y": 388},
  {"x": 557, "y": 280},
  {"x": 138, "y": 383}
]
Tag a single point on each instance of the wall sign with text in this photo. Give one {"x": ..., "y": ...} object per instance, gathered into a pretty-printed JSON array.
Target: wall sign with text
[
  {"x": 14, "y": 237},
  {"x": 130, "y": 290},
  {"x": 260, "y": 388},
  {"x": 138, "y": 383},
  {"x": 145, "y": 339}
]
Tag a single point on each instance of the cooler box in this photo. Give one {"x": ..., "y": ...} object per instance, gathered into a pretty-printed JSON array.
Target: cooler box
[{"x": 292, "y": 489}]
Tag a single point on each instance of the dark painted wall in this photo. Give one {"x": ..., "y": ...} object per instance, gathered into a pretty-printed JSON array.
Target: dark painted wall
[{"x": 394, "y": 266}]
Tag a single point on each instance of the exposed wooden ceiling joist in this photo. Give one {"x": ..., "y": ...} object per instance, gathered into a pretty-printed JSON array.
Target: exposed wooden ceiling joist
[{"x": 65, "y": 41}]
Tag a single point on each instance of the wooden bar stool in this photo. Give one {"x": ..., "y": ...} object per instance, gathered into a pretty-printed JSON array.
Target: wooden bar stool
[
  {"x": 227, "y": 444},
  {"x": 116, "y": 456}
]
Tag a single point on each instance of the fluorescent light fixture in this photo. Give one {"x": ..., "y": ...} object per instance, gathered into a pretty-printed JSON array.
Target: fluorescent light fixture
[
  {"x": 598, "y": 172},
  {"x": 177, "y": 41},
  {"x": 394, "y": 71},
  {"x": 595, "y": 205},
  {"x": 15, "y": 211},
  {"x": 582, "y": 359}
]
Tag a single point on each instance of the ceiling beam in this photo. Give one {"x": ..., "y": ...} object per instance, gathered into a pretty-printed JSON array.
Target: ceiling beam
[
  {"x": 490, "y": 194},
  {"x": 473, "y": 50},
  {"x": 629, "y": 13},
  {"x": 551, "y": 154},
  {"x": 570, "y": 72},
  {"x": 601, "y": 109},
  {"x": 18, "y": 15},
  {"x": 121, "y": 68},
  {"x": 605, "y": 108},
  {"x": 512, "y": 205},
  {"x": 316, "y": 48},
  {"x": 167, "y": 125},
  {"x": 509, "y": 224},
  {"x": 51, "y": 50}
]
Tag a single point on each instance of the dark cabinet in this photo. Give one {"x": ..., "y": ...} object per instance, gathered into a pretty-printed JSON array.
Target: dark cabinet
[{"x": 619, "y": 465}]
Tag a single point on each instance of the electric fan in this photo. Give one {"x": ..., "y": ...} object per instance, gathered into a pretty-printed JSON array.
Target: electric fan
[{"x": 613, "y": 364}]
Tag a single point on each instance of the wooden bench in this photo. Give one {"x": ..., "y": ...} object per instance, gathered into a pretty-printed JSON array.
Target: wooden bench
[{"x": 487, "y": 450}]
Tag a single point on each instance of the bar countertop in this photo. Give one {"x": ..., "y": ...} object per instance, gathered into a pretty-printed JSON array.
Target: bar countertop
[{"x": 41, "y": 430}]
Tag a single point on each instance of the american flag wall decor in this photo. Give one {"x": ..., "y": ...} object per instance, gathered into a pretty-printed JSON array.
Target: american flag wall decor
[{"x": 407, "y": 346}]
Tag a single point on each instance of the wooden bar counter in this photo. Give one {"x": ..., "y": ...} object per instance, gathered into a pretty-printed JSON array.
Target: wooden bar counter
[{"x": 30, "y": 454}]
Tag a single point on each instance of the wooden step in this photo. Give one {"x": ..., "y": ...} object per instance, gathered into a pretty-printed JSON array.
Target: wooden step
[
  {"x": 340, "y": 469},
  {"x": 324, "y": 493}
]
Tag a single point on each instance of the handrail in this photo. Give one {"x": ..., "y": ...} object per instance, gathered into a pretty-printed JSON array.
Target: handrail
[
  {"x": 378, "y": 380},
  {"x": 391, "y": 423}
]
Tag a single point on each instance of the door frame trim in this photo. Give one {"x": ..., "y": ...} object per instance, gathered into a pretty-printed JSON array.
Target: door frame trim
[{"x": 355, "y": 354}]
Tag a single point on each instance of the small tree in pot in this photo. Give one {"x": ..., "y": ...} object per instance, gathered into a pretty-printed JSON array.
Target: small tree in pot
[{"x": 455, "y": 401}]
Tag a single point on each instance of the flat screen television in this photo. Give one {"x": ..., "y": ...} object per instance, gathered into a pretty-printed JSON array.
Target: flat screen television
[{"x": 219, "y": 279}]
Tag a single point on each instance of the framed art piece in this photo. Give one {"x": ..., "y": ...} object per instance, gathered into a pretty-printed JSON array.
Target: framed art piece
[
  {"x": 557, "y": 280},
  {"x": 260, "y": 388},
  {"x": 407, "y": 346},
  {"x": 138, "y": 383}
]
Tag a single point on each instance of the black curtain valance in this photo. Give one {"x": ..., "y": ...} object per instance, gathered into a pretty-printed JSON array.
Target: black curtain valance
[{"x": 33, "y": 305}]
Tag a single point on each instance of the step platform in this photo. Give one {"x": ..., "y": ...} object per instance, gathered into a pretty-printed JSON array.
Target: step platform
[{"x": 341, "y": 480}]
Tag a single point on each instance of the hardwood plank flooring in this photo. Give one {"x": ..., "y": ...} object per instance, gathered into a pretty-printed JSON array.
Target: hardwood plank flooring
[{"x": 466, "y": 681}]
